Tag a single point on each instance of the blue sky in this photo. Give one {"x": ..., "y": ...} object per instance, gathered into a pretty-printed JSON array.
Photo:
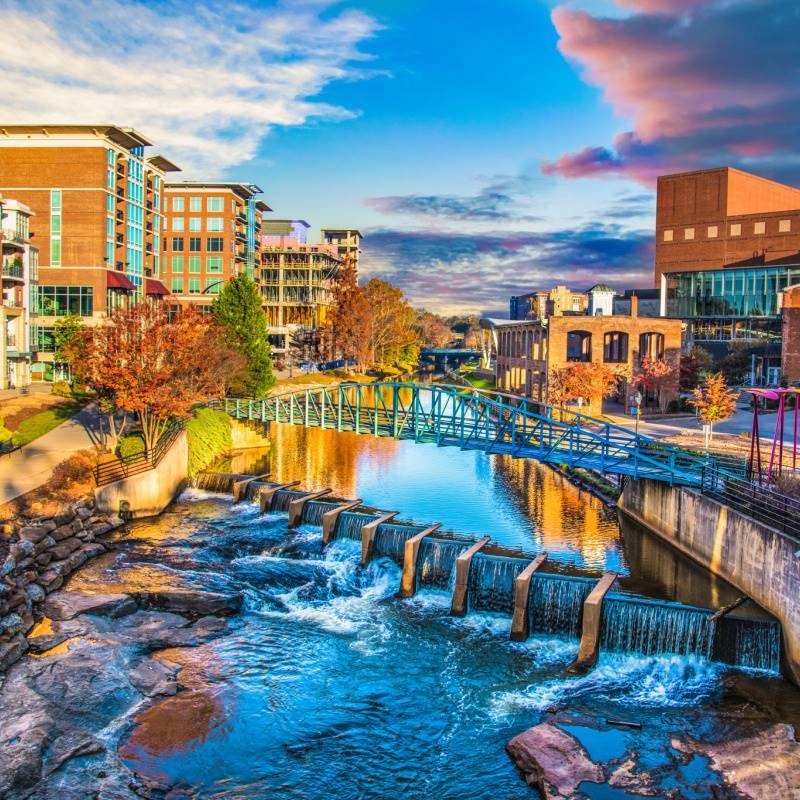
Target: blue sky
[{"x": 484, "y": 149}]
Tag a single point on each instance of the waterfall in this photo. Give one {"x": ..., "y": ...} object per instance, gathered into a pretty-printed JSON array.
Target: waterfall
[
  {"x": 254, "y": 490},
  {"x": 436, "y": 562},
  {"x": 491, "y": 582},
  {"x": 221, "y": 482},
  {"x": 651, "y": 627},
  {"x": 314, "y": 509},
  {"x": 746, "y": 642},
  {"x": 282, "y": 498},
  {"x": 390, "y": 539},
  {"x": 555, "y": 603},
  {"x": 350, "y": 523}
]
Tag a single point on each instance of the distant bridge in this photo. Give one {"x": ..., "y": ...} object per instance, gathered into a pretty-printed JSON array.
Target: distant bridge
[
  {"x": 476, "y": 420},
  {"x": 446, "y": 357}
]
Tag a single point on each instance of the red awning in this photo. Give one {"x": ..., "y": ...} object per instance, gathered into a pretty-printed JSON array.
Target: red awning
[
  {"x": 116, "y": 280},
  {"x": 155, "y": 288}
]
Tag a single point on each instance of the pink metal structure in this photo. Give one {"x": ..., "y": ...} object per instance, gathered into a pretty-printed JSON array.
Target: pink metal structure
[{"x": 775, "y": 465}]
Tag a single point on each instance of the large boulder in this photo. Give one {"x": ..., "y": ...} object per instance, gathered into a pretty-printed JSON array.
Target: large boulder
[
  {"x": 192, "y": 602},
  {"x": 553, "y": 762},
  {"x": 66, "y": 605}
]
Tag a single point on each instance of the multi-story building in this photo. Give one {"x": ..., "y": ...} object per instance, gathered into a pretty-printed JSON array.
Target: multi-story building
[
  {"x": 527, "y": 352},
  {"x": 559, "y": 300},
  {"x": 347, "y": 242},
  {"x": 96, "y": 201},
  {"x": 727, "y": 245},
  {"x": 18, "y": 280},
  {"x": 296, "y": 281},
  {"x": 212, "y": 233}
]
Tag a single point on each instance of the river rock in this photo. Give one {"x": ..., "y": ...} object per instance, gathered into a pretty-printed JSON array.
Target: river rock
[
  {"x": 192, "y": 602},
  {"x": 35, "y": 533},
  {"x": 552, "y": 762},
  {"x": 153, "y": 678},
  {"x": 48, "y": 633},
  {"x": 760, "y": 766},
  {"x": 10, "y": 652},
  {"x": 66, "y": 605}
]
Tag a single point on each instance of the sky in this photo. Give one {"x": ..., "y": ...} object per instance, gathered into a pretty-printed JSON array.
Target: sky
[{"x": 484, "y": 149}]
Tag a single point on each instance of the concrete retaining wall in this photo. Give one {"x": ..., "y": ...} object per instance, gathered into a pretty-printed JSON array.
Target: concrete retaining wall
[
  {"x": 150, "y": 492},
  {"x": 760, "y": 561},
  {"x": 244, "y": 436}
]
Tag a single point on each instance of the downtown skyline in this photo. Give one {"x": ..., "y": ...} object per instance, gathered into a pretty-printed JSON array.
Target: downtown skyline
[{"x": 483, "y": 151}]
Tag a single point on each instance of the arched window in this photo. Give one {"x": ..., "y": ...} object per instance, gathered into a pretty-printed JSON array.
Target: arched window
[
  {"x": 579, "y": 346},
  {"x": 615, "y": 347},
  {"x": 651, "y": 345}
]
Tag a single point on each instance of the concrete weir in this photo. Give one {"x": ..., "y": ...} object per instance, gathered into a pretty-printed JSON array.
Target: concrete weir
[
  {"x": 240, "y": 487},
  {"x": 297, "y": 505},
  {"x": 458, "y": 606},
  {"x": 368, "y": 536},
  {"x": 408, "y": 583},
  {"x": 590, "y": 632},
  {"x": 329, "y": 519},
  {"x": 268, "y": 493},
  {"x": 520, "y": 622}
]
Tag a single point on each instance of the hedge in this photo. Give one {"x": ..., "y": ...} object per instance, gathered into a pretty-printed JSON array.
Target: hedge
[{"x": 209, "y": 436}]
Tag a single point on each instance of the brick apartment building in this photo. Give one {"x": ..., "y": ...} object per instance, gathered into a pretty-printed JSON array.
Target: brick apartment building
[
  {"x": 96, "y": 201},
  {"x": 727, "y": 245},
  {"x": 558, "y": 300},
  {"x": 347, "y": 242},
  {"x": 212, "y": 233}
]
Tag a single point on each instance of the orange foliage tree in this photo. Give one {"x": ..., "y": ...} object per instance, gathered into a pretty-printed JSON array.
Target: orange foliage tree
[
  {"x": 714, "y": 401},
  {"x": 139, "y": 361},
  {"x": 348, "y": 329},
  {"x": 579, "y": 379},
  {"x": 659, "y": 377}
]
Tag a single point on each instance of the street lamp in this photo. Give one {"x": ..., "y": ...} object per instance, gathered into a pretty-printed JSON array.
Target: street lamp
[{"x": 637, "y": 399}]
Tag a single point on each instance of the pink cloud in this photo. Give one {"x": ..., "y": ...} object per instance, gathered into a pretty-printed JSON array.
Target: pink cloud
[{"x": 688, "y": 76}]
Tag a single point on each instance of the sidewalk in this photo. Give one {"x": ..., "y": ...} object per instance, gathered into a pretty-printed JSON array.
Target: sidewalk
[{"x": 31, "y": 466}]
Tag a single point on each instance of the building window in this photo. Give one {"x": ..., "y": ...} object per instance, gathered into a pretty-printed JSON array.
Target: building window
[
  {"x": 667, "y": 236},
  {"x": 194, "y": 263},
  {"x": 759, "y": 227},
  {"x": 55, "y": 252},
  {"x": 651, "y": 345},
  {"x": 194, "y": 285},
  {"x": 688, "y": 233},
  {"x": 615, "y": 347},
  {"x": 177, "y": 244},
  {"x": 215, "y": 225},
  {"x": 45, "y": 340},
  {"x": 215, "y": 203},
  {"x": 195, "y": 224},
  {"x": 177, "y": 263},
  {"x": 736, "y": 229},
  {"x": 213, "y": 263},
  {"x": 59, "y": 301},
  {"x": 713, "y": 231},
  {"x": 177, "y": 285},
  {"x": 195, "y": 244},
  {"x": 213, "y": 285},
  {"x": 195, "y": 204},
  {"x": 214, "y": 244},
  {"x": 784, "y": 226},
  {"x": 178, "y": 204},
  {"x": 55, "y": 227},
  {"x": 178, "y": 224},
  {"x": 579, "y": 346}
]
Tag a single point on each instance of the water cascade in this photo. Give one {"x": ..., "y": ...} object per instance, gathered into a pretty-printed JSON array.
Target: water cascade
[
  {"x": 751, "y": 643},
  {"x": 221, "y": 482},
  {"x": 491, "y": 582},
  {"x": 555, "y": 603},
  {"x": 391, "y": 538},
  {"x": 350, "y": 523},
  {"x": 282, "y": 498},
  {"x": 436, "y": 562},
  {"x": 314, "y": 509}
]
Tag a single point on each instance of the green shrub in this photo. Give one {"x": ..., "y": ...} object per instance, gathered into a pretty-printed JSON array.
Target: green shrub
[
  {"x": 5, "y": 433},
  {"x": 209, "y": 435},
  {"x": 130, "y": 445},
  {"x": 61, "y": 389}
]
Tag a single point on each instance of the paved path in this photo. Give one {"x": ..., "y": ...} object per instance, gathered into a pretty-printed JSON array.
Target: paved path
[{"x": 30, "y": 466}]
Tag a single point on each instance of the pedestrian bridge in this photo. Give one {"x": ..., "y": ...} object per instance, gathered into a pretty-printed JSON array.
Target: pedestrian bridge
[{"x": 478, "y": 420}]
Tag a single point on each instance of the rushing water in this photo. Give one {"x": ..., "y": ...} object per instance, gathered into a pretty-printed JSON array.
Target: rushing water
[{"x": 328, "y": 684}]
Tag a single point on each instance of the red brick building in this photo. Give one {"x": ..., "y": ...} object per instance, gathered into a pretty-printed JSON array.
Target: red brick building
[{"x": 790, "y": 354}]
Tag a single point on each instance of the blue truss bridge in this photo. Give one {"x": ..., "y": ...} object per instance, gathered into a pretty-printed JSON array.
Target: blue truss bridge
[{"x": 451, "y": 416}]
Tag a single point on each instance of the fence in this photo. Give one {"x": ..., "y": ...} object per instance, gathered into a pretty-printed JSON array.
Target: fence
[
  {"x": 141, "y": 462},
  {"x": 760, "y": 503}
]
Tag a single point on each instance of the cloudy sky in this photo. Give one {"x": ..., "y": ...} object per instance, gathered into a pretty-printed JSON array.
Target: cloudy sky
[{"x": 484, "y": 148}]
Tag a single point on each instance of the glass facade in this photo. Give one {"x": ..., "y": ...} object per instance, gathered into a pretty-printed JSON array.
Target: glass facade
[{"x": 59, "y": 301}]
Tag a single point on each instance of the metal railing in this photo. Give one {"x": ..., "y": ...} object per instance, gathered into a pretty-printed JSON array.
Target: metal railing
[
  {"x": 760, "y": 503},
  {"x": 140, "y": 462},
  {"x": 11, "y": 270}
]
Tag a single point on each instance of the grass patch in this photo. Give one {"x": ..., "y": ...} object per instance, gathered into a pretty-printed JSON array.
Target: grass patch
[
  {"x": 480, "y": 383},
  {"x": 43, "y": 422},
  {"x": 131, "y": 444},
  {"x": 209, "y": 435}
]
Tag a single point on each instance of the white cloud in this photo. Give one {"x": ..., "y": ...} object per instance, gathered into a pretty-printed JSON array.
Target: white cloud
[{"x": 205, "y": 82}]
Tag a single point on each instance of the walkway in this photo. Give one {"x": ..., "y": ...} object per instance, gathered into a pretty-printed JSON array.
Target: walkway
[{"x": 29, "y": 467}]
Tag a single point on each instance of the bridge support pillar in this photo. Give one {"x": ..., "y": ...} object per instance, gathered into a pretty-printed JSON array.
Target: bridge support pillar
[
  {"x": 458, "y": 606},
  {"x": 408, "y": 583},
  {"x": 368, "y": 536},
  {"x": 520, "y": 623},
  {"x": 240, "y": 487},
  {"x": 329, "y": 519},
  {"x": 298, "y": 504},
  {"x": 590, "y": 629},
  {"x": 268, "y": 493}
]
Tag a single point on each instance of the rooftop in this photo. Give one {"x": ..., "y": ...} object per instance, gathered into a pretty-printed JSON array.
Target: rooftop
[
  {"x": 243, "y": 190},
  {"x": 125, "y": 137}
]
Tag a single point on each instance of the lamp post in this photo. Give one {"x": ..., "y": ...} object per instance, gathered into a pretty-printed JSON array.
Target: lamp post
[{"x": 637, "y": 399}]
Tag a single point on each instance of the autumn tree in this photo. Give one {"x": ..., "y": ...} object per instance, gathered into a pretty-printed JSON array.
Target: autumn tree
[
  {"x": 694, "y": 365},
  {"x": 348, "y": 329},
  {"x": 238, "y": 311},
  {"x": 65, "y": 332},
  {"x": 433, "y": 331},
  {"x": 394, "y": 338},
  {"x": 714, "y": 401},
  {"x": 592, "y": 382},
  {"x": 657, "y": 376}
]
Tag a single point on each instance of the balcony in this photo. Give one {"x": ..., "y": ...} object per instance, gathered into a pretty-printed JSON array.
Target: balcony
[
  {"x": 120, "y": 216},
  {"x": 12, "y": 302},
  {"x": 11, "y": 341},
  {"x": 13, "y": 237},
  {"x": 241, "y": 235},
  {"x": 13, "y": 271},
  {"x": 148, "y": 226},
  {"x": 241, "y": 216},
  {"x": 120, "y": 238}
]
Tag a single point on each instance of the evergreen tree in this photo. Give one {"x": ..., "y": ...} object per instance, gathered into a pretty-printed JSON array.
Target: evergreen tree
[{"x": 238, "y": 310}]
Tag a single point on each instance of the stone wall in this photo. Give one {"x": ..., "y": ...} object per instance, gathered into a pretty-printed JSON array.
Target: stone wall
[
  {"x": 760, "y": 561},
  {"x": 245, "y": 436},
  {"x": 38, "y": 556}
]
